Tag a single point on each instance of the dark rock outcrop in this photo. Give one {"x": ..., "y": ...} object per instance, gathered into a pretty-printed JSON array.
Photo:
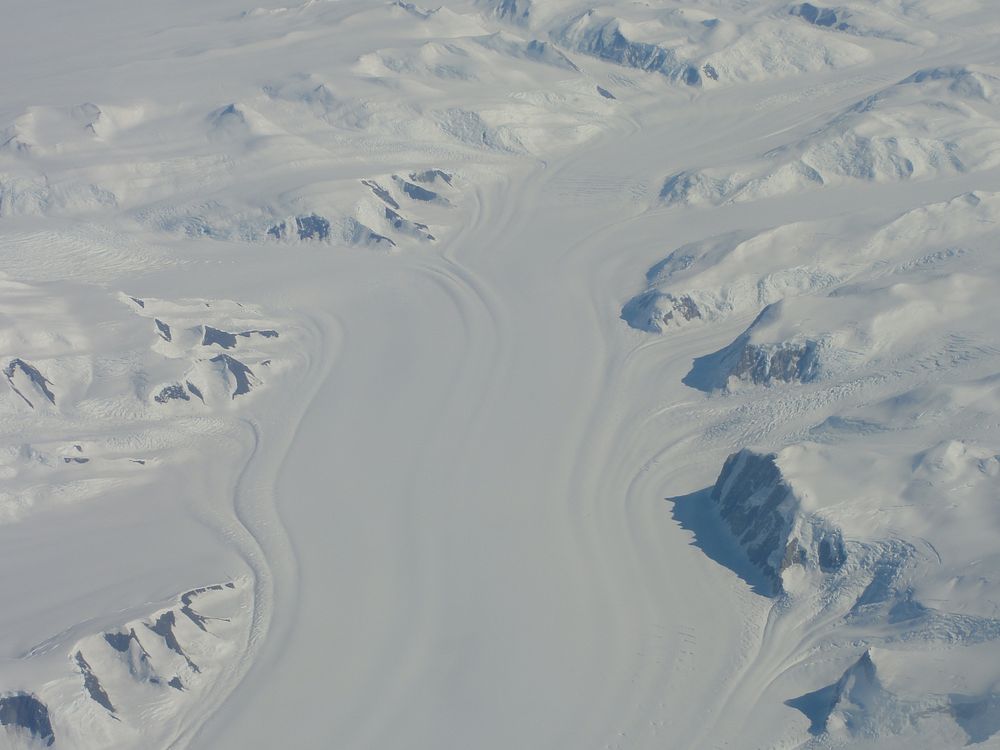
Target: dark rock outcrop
[
  {"x": 681, "y": 308},
  {"x": 824, "y": 17},
  {"x": 312, "y": 227},
  {"x": 603, "y": 38},
  {"x": 195, "y": 391},
  {"x": 761, "y": 364},
  {"x": 164, "y": 627},
  {"x": 163, "y": 329},
  {"x": 763, "y": 514},
  {"x": 405, "y": 226},
  {"x": 134, "y": 654},
  {"x": 34, "y": 376},
  {"x": 92, "y": 684},
  {"x": 24, "y": 712},
  {"x": 757, "y": 363},
  {"x": 243, "y": 375},
  {"x": 188, "y": 597},
  {"x": 430, "y": 176},
  {"x": 753, "y": 501},
  {"x": 227, "y": 340},
  {"x": 652, "y": 311},
  {"x": 418, "y": 193},
  {"x": 381, "y": 193},
  {"x": 174, "y": 392},
  {"x": 215, "y": 336},
  {"x": 515, "y": 11}
]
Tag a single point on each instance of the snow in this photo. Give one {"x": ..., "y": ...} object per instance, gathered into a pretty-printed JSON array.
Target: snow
[
  {"x": 336, "y": 409},
  {"x": 935, "y": 122}
]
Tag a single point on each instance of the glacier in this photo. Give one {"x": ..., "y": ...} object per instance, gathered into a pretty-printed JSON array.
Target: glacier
[{"x": 500, "y": 374}]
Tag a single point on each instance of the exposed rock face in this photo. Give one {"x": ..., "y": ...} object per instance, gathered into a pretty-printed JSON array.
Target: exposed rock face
[
  {"x": 92, "y": 684},
  {"x": 241, "y": 374},
  {"x": 405, "y": 226},
  {"x": 134, "y": 655},
  {"x": 431, "y": 176},
  {"x": 188, "y": 610},
  {"x": 763, "y": 512},
  {"x": 825, "y": 17},
  {"x": 214, "y": 336},
  {"x": 681, "y": 308},
  {"x": 515, "y": 11},
  {"x": 173, "y": 392},
  {"x": 356, "y": 233},
  {"x": 227, "y": 340},
  {"x": 831, "y": 554},
  {"x": 417, "y": 193},
  {"x": 600, "y": 37},
  {"x": 164, "y": 627},
  {"x": 312, "y": 227},
  {"x": 163, "y": 329},
  {"x": 25, "y": 713},
  {"x": 655, "y": 311},
  {"x": 761, "y": 364},
  {"x": 32, "y": 375},
  {"x": 118, "y": 661},
  {"x": 381, "y": 193},
  {"x": 755, "y": 504},
  {"x": 678, "y": 186},
  {"x": 759, "y": 356}
]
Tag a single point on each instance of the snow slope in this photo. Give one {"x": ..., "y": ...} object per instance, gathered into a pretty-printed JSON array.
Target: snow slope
[
  {"x": 936, "y": 122},
  {"x": 335, "y": 409}
]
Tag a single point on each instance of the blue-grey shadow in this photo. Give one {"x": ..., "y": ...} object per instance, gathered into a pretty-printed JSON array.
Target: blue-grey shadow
[
  {"x": 707, "y": 373},
  {"x": 816, "y": 706},
  {"x": 697, "y": 513}
]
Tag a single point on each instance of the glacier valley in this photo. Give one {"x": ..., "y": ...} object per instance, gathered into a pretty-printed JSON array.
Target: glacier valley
[{"x": 500, "y": 374}]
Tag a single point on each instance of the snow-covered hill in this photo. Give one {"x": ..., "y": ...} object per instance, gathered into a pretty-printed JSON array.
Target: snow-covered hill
[{"x": 937, "y": 122}]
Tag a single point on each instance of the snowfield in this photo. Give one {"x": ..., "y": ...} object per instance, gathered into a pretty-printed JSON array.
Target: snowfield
[{"x": 500, "y": 374}]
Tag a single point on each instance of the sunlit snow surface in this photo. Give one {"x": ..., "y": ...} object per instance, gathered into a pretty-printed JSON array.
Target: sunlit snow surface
[{"x": 500, "y": 374}]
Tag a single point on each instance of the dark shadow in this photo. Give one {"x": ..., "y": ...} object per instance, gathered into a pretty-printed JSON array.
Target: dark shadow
[
  {"x": 638, "y": 312},
  {"x": 698, "y": 514},
  {"x": 708, "y": 373},
  {"x": 817, "y": 707},
  {"x": 819, "y": 704},
  {"x": 978, "y": 716}
]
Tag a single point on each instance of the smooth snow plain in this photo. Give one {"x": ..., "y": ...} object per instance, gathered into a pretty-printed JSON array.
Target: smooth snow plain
[{"x": 372, "y": 370}]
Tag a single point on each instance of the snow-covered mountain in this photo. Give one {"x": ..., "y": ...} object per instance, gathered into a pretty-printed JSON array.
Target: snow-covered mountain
[
  {"x": 336, "y": 410},
  {"x": 937, "y": 122}
]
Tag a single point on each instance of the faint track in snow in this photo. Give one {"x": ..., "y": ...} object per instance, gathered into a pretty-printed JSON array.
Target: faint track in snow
[{"x": 260, "y": 533}]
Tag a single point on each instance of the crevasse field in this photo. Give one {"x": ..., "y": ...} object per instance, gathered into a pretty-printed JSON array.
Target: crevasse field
[{"x": 503, "y": 375}]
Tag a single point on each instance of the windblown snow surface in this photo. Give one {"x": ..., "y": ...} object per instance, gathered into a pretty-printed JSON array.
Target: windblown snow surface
[{"x": 500, "y": 374}]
